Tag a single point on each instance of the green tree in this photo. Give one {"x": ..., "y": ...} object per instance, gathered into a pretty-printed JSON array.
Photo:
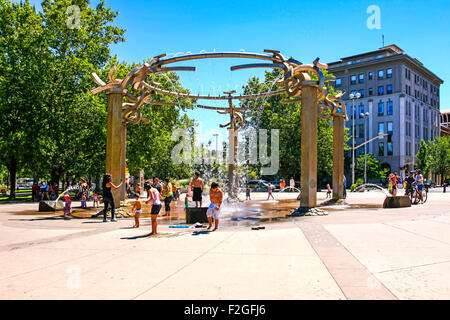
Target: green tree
[
  {"x": 71, "y": 116},
  {"x": 423, "y": 157},
  {"x": 21, "y": 87},
  {"x": 439, "y": 155},
  {"x": 374, "y": 170}
]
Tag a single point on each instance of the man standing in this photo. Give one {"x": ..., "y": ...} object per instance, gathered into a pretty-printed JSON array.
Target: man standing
[
  {"x": 216, "y": 197},
  {"x": 197, "y": 188}
]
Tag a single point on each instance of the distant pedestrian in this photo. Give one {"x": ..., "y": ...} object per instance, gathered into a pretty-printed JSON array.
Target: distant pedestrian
[
  {"x": 216, "y": 197},
  {"x": 345, "y": 187},
  {"x": 291, "y": 184},
  {"x": 247, "y": 193},
  {"x": 96, "y": 200},
  {"x": 67, "y": 210},
  {"x": 83, "y": 201},
  {"x": 167, "y": 195},
  {"x": 157, "y": 185},
  {"x": 108, "y": 198},
  {"x": 282, "y": 185},
  {"x": 269, "y": 190},
  {"x": 328, "y": 190},
  {"x": 35, "y": 192}
]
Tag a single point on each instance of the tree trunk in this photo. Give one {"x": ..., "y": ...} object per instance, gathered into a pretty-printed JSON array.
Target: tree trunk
[
  {"x": 55, "y": 175},
  {"x": 12, "y": 168}
]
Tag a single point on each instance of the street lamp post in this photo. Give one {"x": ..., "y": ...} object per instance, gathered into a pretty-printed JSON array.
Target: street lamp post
[
  {"x": 365, "y": 116},
  {"x": 353, "y": 97}
]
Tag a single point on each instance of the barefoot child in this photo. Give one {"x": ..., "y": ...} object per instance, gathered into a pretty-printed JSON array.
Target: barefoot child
[
  {"x": 137, "y": 210},
  {"x": 216, "y": 197},
  {"x": 328, "y": 190},
  {"x": 68, "y": 206},
  {"x": 83, "y": 201},
  {"x": 186, "y": 202},
  {"x": 269, "y": 190},
  {"x": 247, "y": 193},
  {"x": 96, "y": 202}
]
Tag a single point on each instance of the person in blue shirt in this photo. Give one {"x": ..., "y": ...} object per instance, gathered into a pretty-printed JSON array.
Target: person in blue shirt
[{"x": 345, "y": 187}]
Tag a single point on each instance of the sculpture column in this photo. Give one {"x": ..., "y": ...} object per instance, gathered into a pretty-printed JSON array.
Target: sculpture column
[
  {"x": 123, "y": 161},
  {"x": 309, "y": 115},
  {"x": 114, "y": 138},
  {"x": 338, "y": 158}
]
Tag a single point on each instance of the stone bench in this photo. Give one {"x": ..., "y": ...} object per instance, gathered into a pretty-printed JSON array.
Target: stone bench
[{"x": 397, "y": 202}]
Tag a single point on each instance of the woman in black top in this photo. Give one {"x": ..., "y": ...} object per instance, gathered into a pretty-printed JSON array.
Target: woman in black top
[{"x": 108, "y": 198}]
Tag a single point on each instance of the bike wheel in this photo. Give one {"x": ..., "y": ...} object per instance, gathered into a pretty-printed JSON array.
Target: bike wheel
[
  {"x": 425, "y": 195},
  {"x": 415, "y": 197}
]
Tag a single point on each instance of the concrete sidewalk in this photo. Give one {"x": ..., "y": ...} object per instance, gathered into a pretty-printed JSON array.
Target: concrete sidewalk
[{"x": 353, "y": 253}]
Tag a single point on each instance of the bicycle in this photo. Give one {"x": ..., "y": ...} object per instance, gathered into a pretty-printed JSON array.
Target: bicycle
[{"x": 413, "y": 193}]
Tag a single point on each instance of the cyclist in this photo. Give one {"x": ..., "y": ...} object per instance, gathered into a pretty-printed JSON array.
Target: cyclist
[
  {"x": 409, "y": 184},
  {"x": 419, "y": 181}
]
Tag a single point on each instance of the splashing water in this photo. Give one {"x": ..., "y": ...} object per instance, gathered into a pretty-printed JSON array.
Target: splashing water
[{"x": 362, "y": 187}]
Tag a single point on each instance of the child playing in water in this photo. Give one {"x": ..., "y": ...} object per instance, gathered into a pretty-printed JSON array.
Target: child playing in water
[
  {"x": 68, "y": 206},
  {"x": 328, "y": 190},
  {"x": 216, "y": 197},
  {"x": 186, "y": 201},
  {"x": 83, "y": 201},
  {"x": 269, "y": 190},
  {"x": 137, "y": 210},
  {"x": 96, "y": 202}
]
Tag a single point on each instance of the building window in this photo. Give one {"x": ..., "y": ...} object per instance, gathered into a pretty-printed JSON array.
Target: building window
[
  {"x": 389, "y": 89},
  {"x": 370, "y": 75},
  {"x": 390, "y": 108},
  {"x": 361, "y": 92},
  {"x": 380, "y": 127},
  {"x": 380, "y": 75},
  {"x": 361, "y": 110},
  {"x": 381, "y": 149},
  {"x": 361, "y": 78},
  {"x": 338, "y": 82},
  {"x": 390, "y": 127},
  {"x": 381, "y": 109},
  {"x": 353, "y": 80},
  {"x": 389, "y": 73},
  {"x": 390, "y": 149},
  {"x": 361, "y": 131},
  {"x": 370, "y": 91},
  {"x": 380, "y": 90}
]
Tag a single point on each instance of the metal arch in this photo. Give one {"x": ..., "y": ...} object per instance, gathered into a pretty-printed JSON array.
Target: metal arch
[{"x": 296, "y": 75}]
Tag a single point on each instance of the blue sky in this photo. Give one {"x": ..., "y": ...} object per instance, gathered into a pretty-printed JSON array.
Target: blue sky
[{"x": 302, "y": 29}]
